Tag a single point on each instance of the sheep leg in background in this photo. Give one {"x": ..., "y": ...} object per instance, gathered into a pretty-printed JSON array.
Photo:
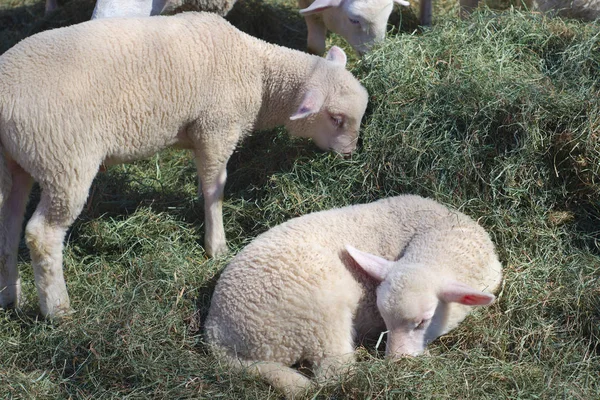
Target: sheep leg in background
[
  {"x": 15, "y": 186},
  {"x": 467, "y": 7},
  {"x": 211, "y": 162},
  {"x": 51, "y": 5},
  {"x": 45, "y": 232},
  {"x": 425, "y": 12}
]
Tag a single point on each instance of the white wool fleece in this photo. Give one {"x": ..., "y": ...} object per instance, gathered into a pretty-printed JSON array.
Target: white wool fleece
[
  {"x": 115, "y": 90},
  {"x": 309, "y": 289}
]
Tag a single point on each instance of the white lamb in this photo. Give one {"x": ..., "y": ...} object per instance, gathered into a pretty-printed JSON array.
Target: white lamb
[
  {"x": 361, "y": 22},
  {"x": 116, "y": 90},
  {"x": 303, "y": 292}
]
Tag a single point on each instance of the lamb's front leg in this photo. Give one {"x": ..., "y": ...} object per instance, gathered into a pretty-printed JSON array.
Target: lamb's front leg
[
  {"x": 60, "y": 203},
  {"x": 211, "y": 155}
]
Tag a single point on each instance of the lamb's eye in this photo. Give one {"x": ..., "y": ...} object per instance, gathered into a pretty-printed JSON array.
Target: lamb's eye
[
  {"x": 354, "y": 21},
  {"x": 422, "y": 324},
  {"x": 336, "y": 120}
]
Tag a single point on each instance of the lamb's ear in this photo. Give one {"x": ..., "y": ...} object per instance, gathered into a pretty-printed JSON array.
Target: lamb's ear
[
  {"x": 336, "y": 55},
  {"x": 311, "y": 103},
  {"x": 402, "y": 3},
  {"x": 320, "y": 5},
  {"x": 375, "y": 266},
  {"x": 456, "y": 292}
]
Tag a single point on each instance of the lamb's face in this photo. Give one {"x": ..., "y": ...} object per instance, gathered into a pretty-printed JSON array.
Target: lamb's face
[
  {"x": 331, "y": 110},
  {"x": 414, "y": 315},
  {"x": 337, "y": 125},
  {"x": 417, "y": 303},
  {"x": 362, "y": 23}
]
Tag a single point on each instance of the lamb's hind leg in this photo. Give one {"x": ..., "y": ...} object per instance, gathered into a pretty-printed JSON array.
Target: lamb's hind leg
[
  {"x": 211, "y": 155},
  {"x": 45, "y": 233},
  {"x": 15, "y": 185}
]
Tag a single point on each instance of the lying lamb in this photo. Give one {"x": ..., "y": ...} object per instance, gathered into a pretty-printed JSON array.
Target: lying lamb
[
  {"x": 115, "y": 90},
  {"x": 303, "y": 292},
  {"x": 361, "y": 22}
]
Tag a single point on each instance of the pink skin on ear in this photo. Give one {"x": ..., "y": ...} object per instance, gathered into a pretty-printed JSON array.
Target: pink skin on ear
[
  {"x": 374, "y": 266},
  {"x": 336, "y": 55},
  {"x": 319, "y": 6},
  {"x": 311, "y": 103},
  {"x": 456, "y": 292}
]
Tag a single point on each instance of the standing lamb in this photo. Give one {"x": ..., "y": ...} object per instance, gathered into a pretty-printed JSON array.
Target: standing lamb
[
  {"x": 301, "y": 293},
  {"x": 116, "y": 90}
]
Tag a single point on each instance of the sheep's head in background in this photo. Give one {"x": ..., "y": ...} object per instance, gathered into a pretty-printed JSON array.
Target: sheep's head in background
[
  {"x": 332, "y": 106},
  {"x": 417, "y": 304},
  {"x": 361, "y": 22}
]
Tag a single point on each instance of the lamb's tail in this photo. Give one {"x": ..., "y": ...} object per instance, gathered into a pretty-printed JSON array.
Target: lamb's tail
[{"x": 290, "y": 382}]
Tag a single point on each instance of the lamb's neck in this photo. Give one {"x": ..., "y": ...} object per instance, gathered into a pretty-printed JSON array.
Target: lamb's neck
[{"x": 284, "y": 75}]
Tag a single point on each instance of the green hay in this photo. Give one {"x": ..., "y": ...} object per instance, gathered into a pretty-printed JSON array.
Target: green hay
[{"x": 498, "y": 116}]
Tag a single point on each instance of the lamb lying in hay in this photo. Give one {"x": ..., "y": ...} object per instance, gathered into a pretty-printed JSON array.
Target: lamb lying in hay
[{"x": 309, "y": 289}]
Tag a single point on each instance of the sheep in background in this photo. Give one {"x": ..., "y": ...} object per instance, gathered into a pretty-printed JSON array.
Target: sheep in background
[
  {"x": 116, "y": 90},
  {"x": 302, "y": 293},
  {"x": 361, "y": 22},
  {"x": 585, "y": 10}
]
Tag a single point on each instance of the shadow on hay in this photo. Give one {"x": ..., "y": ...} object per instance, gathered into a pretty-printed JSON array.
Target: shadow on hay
[{"x": 20, "y": 22}]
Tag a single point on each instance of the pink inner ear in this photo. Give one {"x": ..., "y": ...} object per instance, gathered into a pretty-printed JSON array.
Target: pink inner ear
[
  {"x": 474, "y": 300},
  {"x": 311, "y": 104},
  {"x": 456, "y": 292}
]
